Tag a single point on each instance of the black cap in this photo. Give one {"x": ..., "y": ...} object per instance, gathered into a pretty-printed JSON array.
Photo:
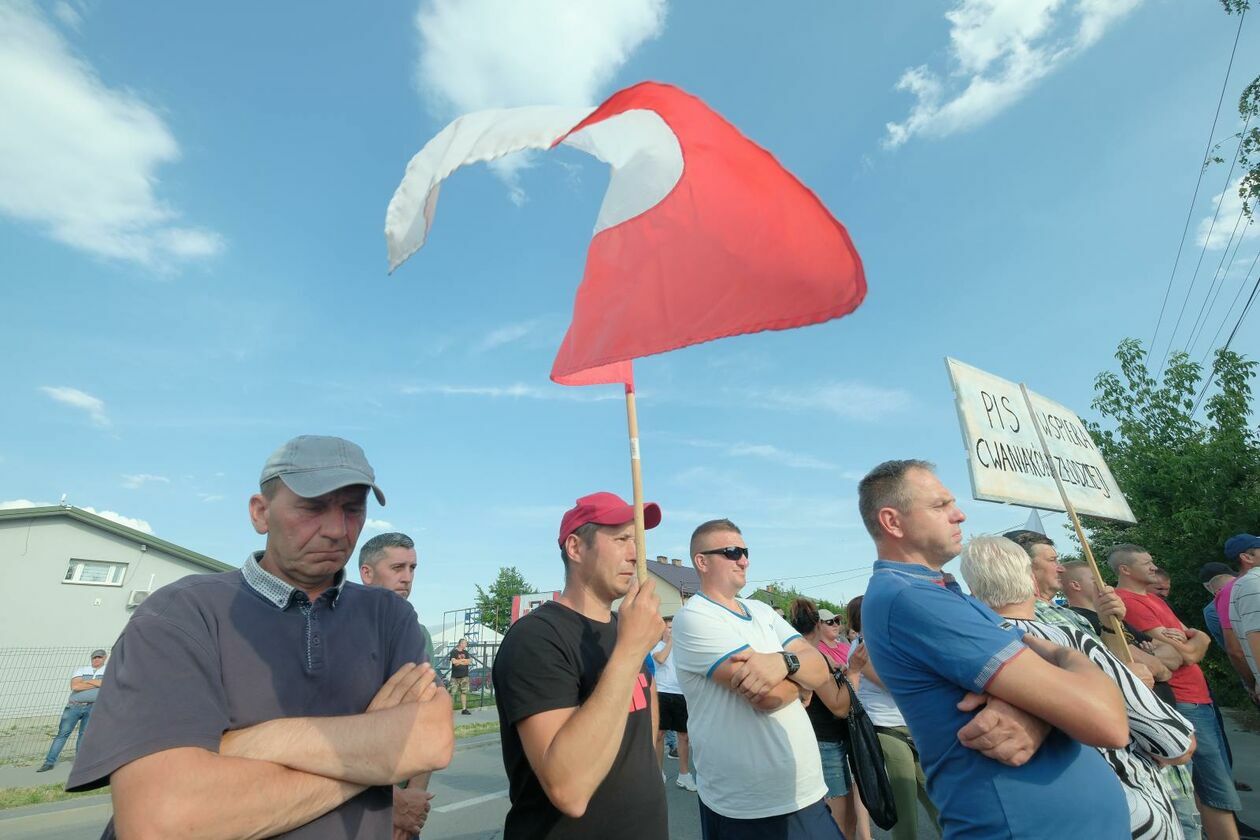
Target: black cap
[{"x": 1210, "y": 570}]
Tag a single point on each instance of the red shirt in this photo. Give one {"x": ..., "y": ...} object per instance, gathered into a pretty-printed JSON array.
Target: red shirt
[{"x": 1145, "y": 612}]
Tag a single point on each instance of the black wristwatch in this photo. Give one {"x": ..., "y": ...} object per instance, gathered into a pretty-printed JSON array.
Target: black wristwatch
[{"x": 793, "y": 664}]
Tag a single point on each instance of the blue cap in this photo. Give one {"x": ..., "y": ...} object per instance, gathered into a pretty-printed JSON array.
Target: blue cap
[{"x": 1239, "y": 543}]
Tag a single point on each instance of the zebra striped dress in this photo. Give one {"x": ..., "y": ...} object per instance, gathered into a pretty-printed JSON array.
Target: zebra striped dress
[{"x": 1155, "y": 730}]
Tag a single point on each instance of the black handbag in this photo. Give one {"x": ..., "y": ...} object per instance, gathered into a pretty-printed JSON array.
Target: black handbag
[{"x": 866, "y": 760}]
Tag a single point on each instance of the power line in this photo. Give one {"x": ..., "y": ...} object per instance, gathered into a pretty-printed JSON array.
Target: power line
[
  {"x": 1241, "y": 317},
  {"x": 1193, "y": 198},
  {"x": 1206, "y": 241},
  {"x": 1214, "y": 291},
  {"x": 1214, "y": 287},
  {"x": 1228, "y": 310}
]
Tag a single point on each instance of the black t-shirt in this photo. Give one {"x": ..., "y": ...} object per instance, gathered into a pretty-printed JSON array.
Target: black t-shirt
[
  {"x": 552, "y": 659},
  {"x": 827, "y": 727},
  {"x": 458, "y": 671}
]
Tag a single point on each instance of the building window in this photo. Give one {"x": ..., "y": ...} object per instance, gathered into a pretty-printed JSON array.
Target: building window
[{"x": 95, "y": 572}]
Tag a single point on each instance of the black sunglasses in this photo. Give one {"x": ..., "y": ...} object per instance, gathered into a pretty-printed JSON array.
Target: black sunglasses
[
  {"x": 731, "y": 552},
  {"x": 834, "y": 622}
]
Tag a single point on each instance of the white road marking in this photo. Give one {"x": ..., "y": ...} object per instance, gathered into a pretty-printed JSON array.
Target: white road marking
[{"x": 476, "y": 800}]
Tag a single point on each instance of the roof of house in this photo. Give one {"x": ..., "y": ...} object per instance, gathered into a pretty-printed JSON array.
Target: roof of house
[
  {"x": 683, "y": 578},
  {"x": 109, "y": 526}
]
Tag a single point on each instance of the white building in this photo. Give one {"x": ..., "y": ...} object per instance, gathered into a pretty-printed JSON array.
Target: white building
[{"x": 74, "y": 579}]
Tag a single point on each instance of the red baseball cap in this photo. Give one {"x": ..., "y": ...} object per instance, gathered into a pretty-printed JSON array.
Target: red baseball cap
[{"x": 605, "y": 509}]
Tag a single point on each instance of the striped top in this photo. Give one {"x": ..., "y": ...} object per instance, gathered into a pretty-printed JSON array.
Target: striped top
[{"x": 1156, "y": 730}]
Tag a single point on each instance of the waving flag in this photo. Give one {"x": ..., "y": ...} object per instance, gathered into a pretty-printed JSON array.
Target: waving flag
[{"x": 702, "y": 234}]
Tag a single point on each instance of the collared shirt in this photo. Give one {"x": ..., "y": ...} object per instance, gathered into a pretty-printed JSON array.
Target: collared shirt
[
  {"x": 1051, "y": 613},
  {"x": 930, "y": 646},
  {"x": 279, "y": 592},
  {"x": 219, "y": 652}
]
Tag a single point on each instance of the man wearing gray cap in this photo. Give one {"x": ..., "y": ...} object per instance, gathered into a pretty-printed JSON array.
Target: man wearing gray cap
[
  {"x": 279, "y": 699},
  {"x": 84, "y": 685}
]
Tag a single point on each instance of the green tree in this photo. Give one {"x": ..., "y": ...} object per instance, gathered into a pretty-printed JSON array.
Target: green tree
[
  {"x": 781, "y": 597},
  {"x": 1191, "y": 482},
  {"x": 495, "y": 604},
  {"x": 1249, "y": 138}
]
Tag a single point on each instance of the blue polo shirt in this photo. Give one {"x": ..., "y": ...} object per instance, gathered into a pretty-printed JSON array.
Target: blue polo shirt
[{"x": 930, "y": 646}]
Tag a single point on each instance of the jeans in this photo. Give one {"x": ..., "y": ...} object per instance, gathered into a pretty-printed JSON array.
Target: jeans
[
  {"x": 74, "y": 713},
  {"x": 1213, "y": 781},
  {"x": 671, "y": 740}
]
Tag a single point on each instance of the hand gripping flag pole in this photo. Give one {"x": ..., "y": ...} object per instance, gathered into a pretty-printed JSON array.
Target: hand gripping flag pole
[
  {"x": 702, "y": 234},
  {"x": 1116, "y": 626}
]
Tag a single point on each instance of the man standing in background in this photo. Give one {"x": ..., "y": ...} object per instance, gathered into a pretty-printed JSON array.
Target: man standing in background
[
  {"x": 85, "y": 683},
  {"x": 460, "y": 660}
]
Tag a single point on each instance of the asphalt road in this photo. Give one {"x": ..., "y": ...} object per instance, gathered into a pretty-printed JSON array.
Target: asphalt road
[{"x": 471, "y": 800}]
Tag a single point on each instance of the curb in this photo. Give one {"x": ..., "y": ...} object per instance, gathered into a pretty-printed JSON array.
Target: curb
[{"x": 54, "y": 807}]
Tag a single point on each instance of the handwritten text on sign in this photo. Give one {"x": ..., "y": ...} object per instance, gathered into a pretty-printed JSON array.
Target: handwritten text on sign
[{"x": 1005, "y": 458}]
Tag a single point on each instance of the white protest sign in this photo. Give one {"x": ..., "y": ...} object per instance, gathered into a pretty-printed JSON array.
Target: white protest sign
[{"x": 1005, "y": 458}]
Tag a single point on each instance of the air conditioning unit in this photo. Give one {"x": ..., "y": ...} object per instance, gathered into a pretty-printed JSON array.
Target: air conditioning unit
[{"x": 136, "y": 596}]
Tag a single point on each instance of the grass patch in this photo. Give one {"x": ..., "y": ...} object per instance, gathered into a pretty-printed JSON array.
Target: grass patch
[
  {"x": 39, "y": 794},
  {"x": 467, "y": 730}
]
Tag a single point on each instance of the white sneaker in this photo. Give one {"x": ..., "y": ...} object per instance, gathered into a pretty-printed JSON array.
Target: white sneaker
[
  {"x": 664, "y": 780},
  {"x": 686, "y": 782}
]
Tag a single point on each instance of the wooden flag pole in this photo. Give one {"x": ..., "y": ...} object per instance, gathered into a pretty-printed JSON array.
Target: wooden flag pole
[
  {"x": 636, "y": 478},
  {"x": 1116, "y": 626}
]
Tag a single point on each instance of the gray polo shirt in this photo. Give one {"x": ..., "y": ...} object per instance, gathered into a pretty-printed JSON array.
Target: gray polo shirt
[{"x": 211, "y": 653}]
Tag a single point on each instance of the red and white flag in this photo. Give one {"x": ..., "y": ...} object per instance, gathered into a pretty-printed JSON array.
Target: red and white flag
[{"x": 702, "y": 233}]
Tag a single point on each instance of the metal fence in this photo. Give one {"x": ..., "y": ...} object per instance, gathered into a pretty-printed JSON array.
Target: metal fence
[
  {"x": 480, "y": 686},
  {"x": 34, "y": 686}
]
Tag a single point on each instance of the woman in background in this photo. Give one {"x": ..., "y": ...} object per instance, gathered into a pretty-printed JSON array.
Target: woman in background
[{"x": 827, "y": 717}]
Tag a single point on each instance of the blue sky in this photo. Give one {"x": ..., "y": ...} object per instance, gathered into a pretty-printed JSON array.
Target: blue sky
[{"x": 191, "y": 250}]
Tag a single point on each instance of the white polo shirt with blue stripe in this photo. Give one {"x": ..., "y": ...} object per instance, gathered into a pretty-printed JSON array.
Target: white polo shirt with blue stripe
[{"x": 749, "y": 764}]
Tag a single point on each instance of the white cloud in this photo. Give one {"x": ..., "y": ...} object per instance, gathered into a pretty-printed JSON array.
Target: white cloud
[
  {"x": 779, "y": 456},
  {"x": 506, "y": 335},
  {"x": 517, "y": 390},
  {"x": 378, "y": 525},
  {"x": 79, "y": 159},
  {"x": 1231, "y": 208},
  {"x": 850, "y": 400},
  {"x": 68, "y": 14},
  {"x": 478, "y": 54},
  {"x": 999, "y": 49},
  {"x": 75, "y": 398},
  {"x": 764, "y": 451},
  {"x": 210, "y": 497},
  {"x": 113, "y": 516},
  {"x": 133, "y": 482}
]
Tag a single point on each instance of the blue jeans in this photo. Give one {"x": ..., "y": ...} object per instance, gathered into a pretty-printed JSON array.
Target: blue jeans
[
  {"x": 74, "y": 713},
  {"x": 1213, "y": 781},
  {"x": 835, "y": 767}
]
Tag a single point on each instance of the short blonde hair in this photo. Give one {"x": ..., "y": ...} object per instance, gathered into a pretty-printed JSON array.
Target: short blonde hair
[{"x": 997, "y": 571}]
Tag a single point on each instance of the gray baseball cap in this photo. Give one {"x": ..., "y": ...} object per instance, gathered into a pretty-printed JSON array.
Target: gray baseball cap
[
  {"x": 312, "y": 465},
  {"x": 98, "y": 652}
]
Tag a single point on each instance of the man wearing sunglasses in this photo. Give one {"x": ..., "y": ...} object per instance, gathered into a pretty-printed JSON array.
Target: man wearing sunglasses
[{"x": 743, "y": 670}]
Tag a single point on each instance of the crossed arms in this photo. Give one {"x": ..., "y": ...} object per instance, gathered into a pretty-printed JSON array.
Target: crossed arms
[{"x": 283, "y": 773}]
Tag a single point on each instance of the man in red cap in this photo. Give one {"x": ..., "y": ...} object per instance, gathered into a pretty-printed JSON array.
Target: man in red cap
[{"x": 574, "y": 694}]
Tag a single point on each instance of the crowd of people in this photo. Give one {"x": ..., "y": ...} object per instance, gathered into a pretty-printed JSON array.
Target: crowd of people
[{"x": 307, "y": 704}]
